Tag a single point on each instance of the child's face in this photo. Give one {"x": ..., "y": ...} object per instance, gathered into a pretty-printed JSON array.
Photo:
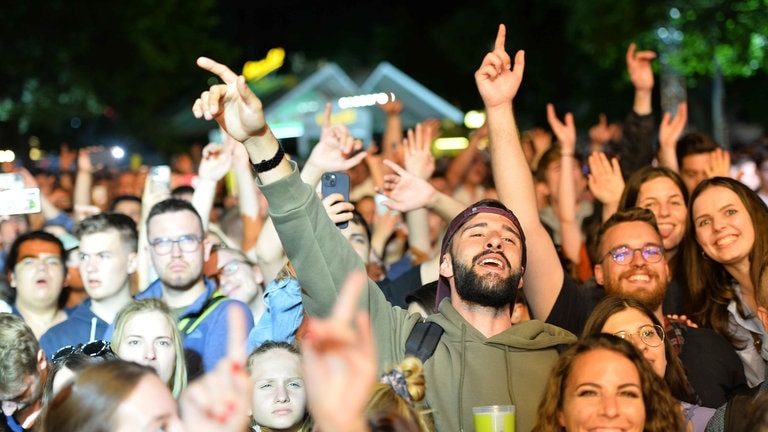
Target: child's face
[{"x": 279, "y": 395}]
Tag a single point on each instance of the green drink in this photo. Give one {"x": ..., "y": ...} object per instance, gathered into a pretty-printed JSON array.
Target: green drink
[{"x": 494, "y": 418}]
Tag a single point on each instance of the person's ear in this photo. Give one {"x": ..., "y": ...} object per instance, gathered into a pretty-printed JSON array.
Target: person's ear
[
  {"x": 207, "y": 247},
  {"x": 446, "y": 266},
  {"x": 11, "y": 280},
  {"x": 42, "y": 360},
  {"x": 599, "y": 277},
  {"x": 133, "y": 263},
  {"x": 258, "y": 276}
]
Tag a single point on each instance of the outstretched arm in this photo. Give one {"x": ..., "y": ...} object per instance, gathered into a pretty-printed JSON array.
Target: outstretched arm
[
  {"x": 570, "y": 231},
  {"x": 240, "y": 114},
  {"x": 670, "y": 130},
  {"x": 498, "y": 82}
]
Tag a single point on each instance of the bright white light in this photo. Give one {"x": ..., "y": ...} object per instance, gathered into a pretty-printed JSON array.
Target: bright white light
[
  {"x": 474, "y": 119},
  {"x": 7, "y": 156},
  {"x": 287, "y": 130},
  {"x": 117, "y": 152},
  {"x": 674, "y": 13},
  {"x": 455, "y": 143},
  {"x": 365, "y": 100}
]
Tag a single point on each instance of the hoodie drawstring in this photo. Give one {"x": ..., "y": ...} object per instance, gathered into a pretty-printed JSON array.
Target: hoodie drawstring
[
  {"x": 461, "y": 375},
  {"x": 94, "y": 320}
]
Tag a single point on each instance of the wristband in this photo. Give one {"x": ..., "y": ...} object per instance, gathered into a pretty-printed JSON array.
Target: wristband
[{"x": 267, "y": 165}]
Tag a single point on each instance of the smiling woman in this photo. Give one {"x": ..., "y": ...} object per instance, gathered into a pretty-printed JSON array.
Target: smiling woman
[
  {"x": 723, "y": 249},
  {"x": 603, "y": 381}
]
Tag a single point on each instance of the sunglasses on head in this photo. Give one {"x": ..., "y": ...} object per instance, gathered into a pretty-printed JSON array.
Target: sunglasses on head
[{"x": 96, "y": 348}]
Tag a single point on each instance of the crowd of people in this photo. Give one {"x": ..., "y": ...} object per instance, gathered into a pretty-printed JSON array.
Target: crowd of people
[{"x": 621, "y": 286}]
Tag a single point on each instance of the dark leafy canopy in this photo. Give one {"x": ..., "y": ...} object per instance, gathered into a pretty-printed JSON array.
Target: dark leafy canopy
[
  {"x": 112, "y": 65},
  {"x": 129, "y": 67}
]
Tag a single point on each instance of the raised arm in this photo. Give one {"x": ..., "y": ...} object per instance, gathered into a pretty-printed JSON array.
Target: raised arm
[
  {"x": 216, "y": 162},
  {"x": 670, "y": 130},
  {"x": 605, "y": 182},
  {"x": 638, "y": 130},
  {"x": 498, "y": 82},
  {"x": 570, "y": 231}
]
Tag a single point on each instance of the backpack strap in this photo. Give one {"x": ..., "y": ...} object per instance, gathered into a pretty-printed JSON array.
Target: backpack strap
[
  {"x": 189, "y": 323},
  {"x": 422, "y": 341}
]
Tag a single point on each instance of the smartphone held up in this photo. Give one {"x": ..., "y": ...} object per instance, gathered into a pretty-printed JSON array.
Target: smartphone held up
[{"x": 335, "y": 182}]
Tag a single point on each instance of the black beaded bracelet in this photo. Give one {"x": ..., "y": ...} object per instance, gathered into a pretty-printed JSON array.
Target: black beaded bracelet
[{"x": 267, "y": 165}]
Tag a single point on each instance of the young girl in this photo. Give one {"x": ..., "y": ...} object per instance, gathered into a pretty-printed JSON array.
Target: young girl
[{"x": 279, "y": 401}]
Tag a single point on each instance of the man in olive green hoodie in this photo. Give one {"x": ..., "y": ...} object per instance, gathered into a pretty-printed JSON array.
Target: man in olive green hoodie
[{"x": 481, "y": 359}]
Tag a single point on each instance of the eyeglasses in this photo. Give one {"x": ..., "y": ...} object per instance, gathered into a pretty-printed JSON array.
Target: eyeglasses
[
  {"x": 651, "y": 335},
  {"x": 623, "y": 255},
  {"x": 230, "y": 268},
  {"x": 95, "y": 348},
  {"x": 187, "y": 243}
]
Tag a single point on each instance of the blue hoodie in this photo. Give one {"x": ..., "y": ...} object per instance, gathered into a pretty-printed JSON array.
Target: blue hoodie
[{"x": 81, "y": 326}]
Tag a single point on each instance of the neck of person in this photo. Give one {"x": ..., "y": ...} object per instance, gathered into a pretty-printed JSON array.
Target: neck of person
[
  {"x": 40, "y": 318},
  {"x": 487, "y": 320},
  {"x": 178, "y": 298},
  {"x": 107, "y": 308}
]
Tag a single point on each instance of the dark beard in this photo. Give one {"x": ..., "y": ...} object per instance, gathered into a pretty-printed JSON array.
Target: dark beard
[{"x": 495, "y": 292}]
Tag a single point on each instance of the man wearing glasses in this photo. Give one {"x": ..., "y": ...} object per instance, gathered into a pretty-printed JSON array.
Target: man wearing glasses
[
  {"x": 175, "y": 237},
  {"x": 23, "y": 371},
  {"x": 631, "y": 264}
]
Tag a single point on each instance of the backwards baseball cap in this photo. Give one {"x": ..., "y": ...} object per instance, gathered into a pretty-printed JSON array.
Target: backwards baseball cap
[{"x": 484, "y": 206}]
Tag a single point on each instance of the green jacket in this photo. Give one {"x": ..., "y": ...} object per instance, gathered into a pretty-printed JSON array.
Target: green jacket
[{"x": 466, "y": 370}]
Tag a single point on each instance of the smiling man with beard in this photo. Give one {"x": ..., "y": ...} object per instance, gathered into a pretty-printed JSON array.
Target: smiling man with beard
[{"x": 631, "y": 263}]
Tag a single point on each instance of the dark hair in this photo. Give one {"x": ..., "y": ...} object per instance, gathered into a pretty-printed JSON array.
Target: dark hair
[
  {"x": 710, "y": 283},
  {"x": 173, "y": 205},
  {"x": 89, "y": 403},
  {"x": 634, "y": 214},
  {"x": 424, "y": 296},
  {"x": 694, "y": 143},
  {"x": 13, "y": 254},
  {"x": 181, "y": 190},
  {"x": 357, "y": 218},
  {"x": 662, "y": 411},
  {"x": 550, "y": 156},
  {"x": 127, "y": 198},
  {"x": 643, "y": 175},
  {"x": 674, "y": 374},
  {"x": 102, "y": 222}
]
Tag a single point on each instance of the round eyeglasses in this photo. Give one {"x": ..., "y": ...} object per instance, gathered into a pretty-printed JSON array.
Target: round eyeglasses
[
  {"x": 651, "y": 335},
  {"x": 624, "y": 255},
  {"x": 164, "y": 246}
]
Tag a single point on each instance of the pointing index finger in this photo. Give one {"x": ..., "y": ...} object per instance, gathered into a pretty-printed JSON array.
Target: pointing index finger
[
  {"x": 501, "y": 37},
  {"x": 218, "y": 69}
]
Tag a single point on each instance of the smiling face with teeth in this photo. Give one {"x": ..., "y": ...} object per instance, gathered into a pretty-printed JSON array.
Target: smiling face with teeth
[
  {"x": 724, "y": 228},
  {"x": 663, "y": 197},
  {"x": 640, "y": 279}
]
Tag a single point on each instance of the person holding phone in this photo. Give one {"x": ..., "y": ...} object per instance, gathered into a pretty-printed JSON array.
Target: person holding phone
[{"x": 475, "y": 296}]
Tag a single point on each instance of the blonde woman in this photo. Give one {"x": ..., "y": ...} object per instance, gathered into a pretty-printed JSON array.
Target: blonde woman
[{"x": 145, "y": 332}]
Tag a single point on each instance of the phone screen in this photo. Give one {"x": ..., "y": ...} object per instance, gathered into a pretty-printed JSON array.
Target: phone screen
[{"x": 20, "y": 201}]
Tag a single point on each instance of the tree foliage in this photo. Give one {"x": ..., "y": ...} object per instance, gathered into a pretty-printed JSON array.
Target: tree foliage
[{"x": 74, "y": 68}]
